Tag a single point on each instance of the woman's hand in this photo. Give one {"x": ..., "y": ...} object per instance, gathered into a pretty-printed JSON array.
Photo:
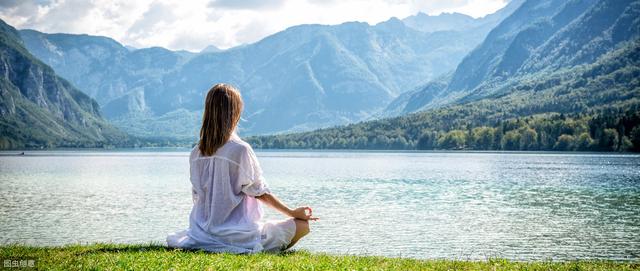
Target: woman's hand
[{"x": 304, "y": 213}]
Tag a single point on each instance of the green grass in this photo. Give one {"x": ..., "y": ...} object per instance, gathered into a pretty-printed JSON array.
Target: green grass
[{"x": 157, "y": 257}]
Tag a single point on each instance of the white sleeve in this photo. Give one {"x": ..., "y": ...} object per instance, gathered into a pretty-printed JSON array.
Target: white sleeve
[{"x": 250, "y": 174}]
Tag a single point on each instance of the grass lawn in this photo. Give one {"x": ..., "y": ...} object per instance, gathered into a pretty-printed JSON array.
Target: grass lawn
[{"x": 157, "y": 257}]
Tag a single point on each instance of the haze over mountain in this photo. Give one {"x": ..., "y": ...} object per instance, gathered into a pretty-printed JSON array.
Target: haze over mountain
[
  {"x": 305, "y": 77},
  {"x": 38, "y": 108}
]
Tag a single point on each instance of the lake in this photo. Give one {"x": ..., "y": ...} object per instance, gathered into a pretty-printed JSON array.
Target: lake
[{"x": 455, "y": 205}]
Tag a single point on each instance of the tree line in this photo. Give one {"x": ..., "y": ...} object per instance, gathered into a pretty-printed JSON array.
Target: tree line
[{"x": 608, "y": 130}]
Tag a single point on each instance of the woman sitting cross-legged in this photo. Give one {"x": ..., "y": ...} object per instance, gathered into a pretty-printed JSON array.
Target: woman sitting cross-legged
[{"x": 228, "y": 189}]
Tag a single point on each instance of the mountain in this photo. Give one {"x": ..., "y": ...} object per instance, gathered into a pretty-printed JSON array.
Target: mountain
[
  {"x": 101, "y": 67},
  {"x": 40, "y": 109},
  {"x": 555, "y": 75},
  {"x": 539, "y": 37},
  {"x": 302, "y": 78},
  {"x": 314, "y": 75}
]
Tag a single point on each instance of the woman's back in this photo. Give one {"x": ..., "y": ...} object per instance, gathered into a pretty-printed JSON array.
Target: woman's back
[
  {"x": 224, "y": 180},
  {"x": 223, "y": 188}
]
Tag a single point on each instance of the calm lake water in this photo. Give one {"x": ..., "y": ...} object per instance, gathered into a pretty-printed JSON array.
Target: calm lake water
[{"x": 457, "y": 205}]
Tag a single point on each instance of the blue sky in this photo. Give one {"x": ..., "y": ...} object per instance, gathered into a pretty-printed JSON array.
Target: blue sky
[{"x": 192, "y": 25}]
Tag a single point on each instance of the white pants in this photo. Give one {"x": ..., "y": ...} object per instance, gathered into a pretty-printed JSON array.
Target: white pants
[{"x": 277, "y": 234}]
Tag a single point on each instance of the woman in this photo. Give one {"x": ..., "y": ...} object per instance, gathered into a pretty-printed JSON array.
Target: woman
[{"x": 228, "y": 186}]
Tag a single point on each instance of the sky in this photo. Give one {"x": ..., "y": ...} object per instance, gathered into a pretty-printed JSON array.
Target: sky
[{"x": 194, "y": 24}]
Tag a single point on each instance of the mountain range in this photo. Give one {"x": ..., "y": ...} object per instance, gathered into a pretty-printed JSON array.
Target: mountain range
[
  {"x": 558, "y": 73},
  {"x": 302, "y": 78}
]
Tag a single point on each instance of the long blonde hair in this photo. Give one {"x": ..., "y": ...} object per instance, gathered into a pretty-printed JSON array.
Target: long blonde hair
[{"x": 222, "y": 109}]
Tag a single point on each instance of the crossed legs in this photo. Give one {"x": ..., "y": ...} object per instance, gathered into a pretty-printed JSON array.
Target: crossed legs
[{"x": 302, "y": 229}]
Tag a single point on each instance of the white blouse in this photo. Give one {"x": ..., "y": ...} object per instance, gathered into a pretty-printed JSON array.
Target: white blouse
[{"x": 225, "y": 215}]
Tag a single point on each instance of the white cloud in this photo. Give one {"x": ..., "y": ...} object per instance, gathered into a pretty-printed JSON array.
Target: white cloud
[{"x": 194, "y": 24}]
